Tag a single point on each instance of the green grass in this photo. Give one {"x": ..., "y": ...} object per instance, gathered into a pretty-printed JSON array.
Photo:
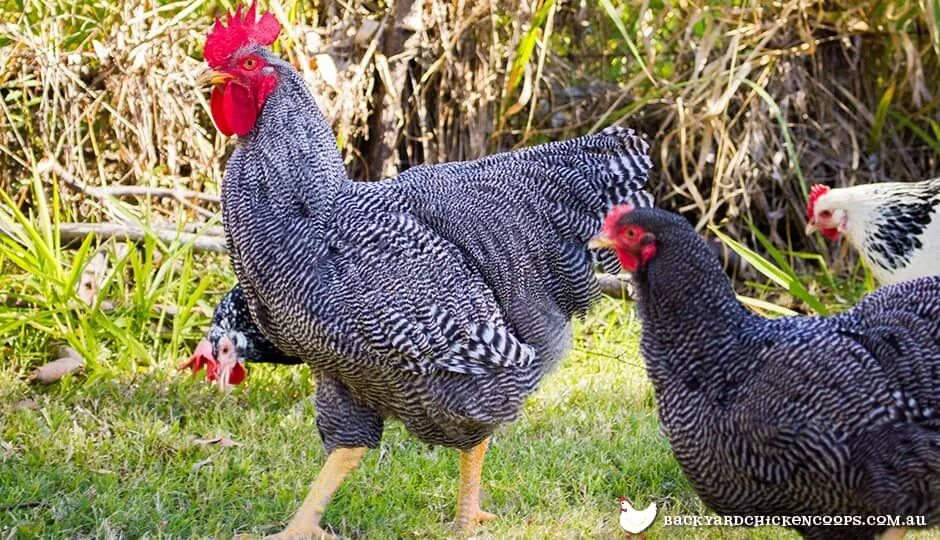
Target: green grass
[{"x": 116, "y": 457}]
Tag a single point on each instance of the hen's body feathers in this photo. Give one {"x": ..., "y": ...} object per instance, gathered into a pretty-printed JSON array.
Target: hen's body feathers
[
  {"x": 440, "y": 297},
  {"x": 798, "y": 415}
]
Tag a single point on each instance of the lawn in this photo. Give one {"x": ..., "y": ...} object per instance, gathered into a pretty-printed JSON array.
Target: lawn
[{"x": 121, "y": 457}]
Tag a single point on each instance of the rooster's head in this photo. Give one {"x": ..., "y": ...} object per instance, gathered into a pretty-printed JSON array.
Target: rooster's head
[{"x": 241, "y": 70}]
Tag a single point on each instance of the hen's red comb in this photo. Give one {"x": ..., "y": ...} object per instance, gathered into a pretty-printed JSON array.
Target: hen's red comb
[
  {"x": 815, "y": 192},
  {"x": 615, "y": 214},
  {"x": 243, "y": 29}
]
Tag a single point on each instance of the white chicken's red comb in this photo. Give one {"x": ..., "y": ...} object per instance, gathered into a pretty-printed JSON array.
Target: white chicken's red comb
[
  {"x": 815, "y": 192},
  {"x": 242, "y": 30}
]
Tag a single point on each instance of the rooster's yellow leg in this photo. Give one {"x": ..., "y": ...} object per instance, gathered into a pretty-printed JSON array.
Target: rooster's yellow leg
[
  {"x": 468, "y": 495},
  {"x": 894, "y": 533},
  {"x": 306, "y": 522}
]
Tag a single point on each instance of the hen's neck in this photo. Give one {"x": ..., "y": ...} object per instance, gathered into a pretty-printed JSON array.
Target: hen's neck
[{"x": 686, "y": 300}]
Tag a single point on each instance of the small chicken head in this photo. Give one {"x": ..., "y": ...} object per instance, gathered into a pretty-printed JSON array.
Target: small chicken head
[
  {"x": 241, "y": 74},
  {"x": 633, "y": 244},
  {"x": 624, "y": 504},
  {"x": 823, "y": 214},
  {"x": 220, "y": 359}
]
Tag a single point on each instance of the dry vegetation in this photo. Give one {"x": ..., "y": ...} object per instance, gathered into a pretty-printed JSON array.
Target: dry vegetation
[{"x": 745, "y": 102}]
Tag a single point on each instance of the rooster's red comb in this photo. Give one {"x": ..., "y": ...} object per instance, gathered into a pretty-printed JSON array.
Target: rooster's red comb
[
  {"x": 241, "y": 30},
  {"x": 815, "y": 192}
]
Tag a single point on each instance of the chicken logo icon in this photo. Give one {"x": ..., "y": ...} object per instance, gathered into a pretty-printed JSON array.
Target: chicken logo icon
[{"x": 636, "y": 521}]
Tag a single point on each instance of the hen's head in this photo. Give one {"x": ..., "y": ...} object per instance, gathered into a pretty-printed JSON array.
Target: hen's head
[
  {"x": 632, "y": 240},
  {"x": 824, "y": 213},
  {"x": 242, "y": 72},
  {"x": 229, "y": 343}
]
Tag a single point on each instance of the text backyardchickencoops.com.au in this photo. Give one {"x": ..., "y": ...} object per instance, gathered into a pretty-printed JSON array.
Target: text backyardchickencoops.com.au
[{"x": 794, "y": 521}]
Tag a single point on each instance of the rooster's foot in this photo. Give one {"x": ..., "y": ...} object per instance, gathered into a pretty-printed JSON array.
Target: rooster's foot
[{"x": 467, "y": 522}]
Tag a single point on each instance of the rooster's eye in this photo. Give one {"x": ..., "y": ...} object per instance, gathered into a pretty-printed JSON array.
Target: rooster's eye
[
  {"x": 826, "y": 214},
  {"x": 249, "y": 63}
]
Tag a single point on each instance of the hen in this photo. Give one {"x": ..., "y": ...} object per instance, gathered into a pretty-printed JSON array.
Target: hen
[
  {"x": 232, "y": 340},
  {"x": 796, "y": 416},
  {"x": 439, "y": 298},
  {"x": 894, "y": 226}
]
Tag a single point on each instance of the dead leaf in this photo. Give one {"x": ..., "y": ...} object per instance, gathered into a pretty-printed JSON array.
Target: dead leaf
[
  {"x": 69, "y": 361},
  {"x": 201, "y": 464},
  {"x": 223, "y": 442},
  {"x": 94, "y": 273},
  {"x": 25, "y": 404},
  {"x": 92, "y": 276}
]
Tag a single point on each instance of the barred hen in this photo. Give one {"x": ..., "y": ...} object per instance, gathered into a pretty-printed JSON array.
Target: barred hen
[
  {"x": 796, "y": 416},
  {"x": 439, "y": 298},
  {"x": 232, "y": 340},
  {"x": 894, "y": 226}
]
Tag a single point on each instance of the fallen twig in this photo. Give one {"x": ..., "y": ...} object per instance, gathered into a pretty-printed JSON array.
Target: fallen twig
[
  {"x": 76, "y": 232},
  {"x": 71, "y": 181}
]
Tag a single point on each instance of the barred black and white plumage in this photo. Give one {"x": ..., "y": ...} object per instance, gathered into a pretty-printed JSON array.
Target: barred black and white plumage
[
  {"x": 232, "y": 319},
  {"x": 791, "y": 416},
  {"x": 440, "y": 297}
]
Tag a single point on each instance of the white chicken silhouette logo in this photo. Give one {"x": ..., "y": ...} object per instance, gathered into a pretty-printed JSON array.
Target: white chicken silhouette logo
[{"x": 636, "y": 521}]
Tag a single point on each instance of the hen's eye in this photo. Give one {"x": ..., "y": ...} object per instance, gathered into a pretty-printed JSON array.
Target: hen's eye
[{"x": 250, "y": 63}]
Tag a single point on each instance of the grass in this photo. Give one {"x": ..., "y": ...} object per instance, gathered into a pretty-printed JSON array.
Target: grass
[{"x": 117, "y": 457}]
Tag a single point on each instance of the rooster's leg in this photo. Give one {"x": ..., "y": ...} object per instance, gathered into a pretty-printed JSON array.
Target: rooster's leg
[
  {"x": 468, "y": 496},
  {"x": 893, "y": 534},
  {"x": 306, "y": 522}
]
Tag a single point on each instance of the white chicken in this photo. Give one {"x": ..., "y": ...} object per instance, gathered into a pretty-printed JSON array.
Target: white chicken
[
  {"x": 636, "y": 521},
  {"x": 894, "y": 226}
]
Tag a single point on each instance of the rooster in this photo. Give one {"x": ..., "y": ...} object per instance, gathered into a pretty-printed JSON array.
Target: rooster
[
  {"x": 795, "y": 416},
  {"x": 232, "y": 340},
  {"x": 894, "y": 226},
  {"x": 439, "y": 298}
]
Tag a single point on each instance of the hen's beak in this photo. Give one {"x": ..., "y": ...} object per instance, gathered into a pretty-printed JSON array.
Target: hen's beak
[
  {"x": 810, "y": 227},
  {"x": 214, "y": 78},
  {"x": 600, "y": 241}
]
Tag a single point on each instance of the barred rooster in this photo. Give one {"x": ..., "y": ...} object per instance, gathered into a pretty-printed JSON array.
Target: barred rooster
[
  {"x": 232, "y": 340},
  {"x": 796, "y": 416},
  {"x": 439, "y": 298},
  {"x": 894, "y": 226}
]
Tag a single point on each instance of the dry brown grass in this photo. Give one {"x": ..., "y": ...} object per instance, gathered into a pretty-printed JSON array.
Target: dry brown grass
[{"x": 108, "y": 92}]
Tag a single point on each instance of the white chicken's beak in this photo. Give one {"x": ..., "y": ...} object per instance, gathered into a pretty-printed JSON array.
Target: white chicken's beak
[{"x": 810, "y": 227}]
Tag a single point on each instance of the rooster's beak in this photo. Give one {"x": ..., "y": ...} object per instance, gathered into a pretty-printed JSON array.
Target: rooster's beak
[
  {"x": 215, "y": 78},
  {"x": 810, "y": 228},
  {"x": 600, "y": 241}
]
